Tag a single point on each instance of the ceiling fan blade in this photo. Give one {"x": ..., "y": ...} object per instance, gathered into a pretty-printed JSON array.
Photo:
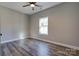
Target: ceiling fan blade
[
  {"x": 26, "y": 5},
  {"x": 38, "y": 5}
]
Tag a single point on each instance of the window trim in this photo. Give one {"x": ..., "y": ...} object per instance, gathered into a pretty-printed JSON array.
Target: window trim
[{"x": 39, "y": 26}]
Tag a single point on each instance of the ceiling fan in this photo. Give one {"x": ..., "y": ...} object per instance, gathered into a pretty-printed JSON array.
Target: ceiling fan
[{"x": 32, "y": 4}]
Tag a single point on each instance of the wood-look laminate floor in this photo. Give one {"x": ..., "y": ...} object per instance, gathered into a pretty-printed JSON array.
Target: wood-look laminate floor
[{"x": 27, "y": 47}]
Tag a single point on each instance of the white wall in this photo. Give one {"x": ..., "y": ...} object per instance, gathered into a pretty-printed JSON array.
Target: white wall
[
  {"x": 13, "y": 24},
  {"x": 63, "y": 24}
]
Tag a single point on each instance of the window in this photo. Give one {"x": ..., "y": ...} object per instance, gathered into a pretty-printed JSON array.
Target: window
[{"x": 43, "y": 25}]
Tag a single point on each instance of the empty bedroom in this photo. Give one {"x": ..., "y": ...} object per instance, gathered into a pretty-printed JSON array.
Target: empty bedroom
[{"x": 39, "y": 28}]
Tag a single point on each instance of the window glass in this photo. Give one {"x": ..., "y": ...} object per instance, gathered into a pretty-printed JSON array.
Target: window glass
[{"x": 43, "y": 25}]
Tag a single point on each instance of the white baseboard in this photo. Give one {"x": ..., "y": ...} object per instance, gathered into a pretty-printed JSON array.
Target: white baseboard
[
  {"x": 10, "y": 40},
  {"x": 61, "y": 44}
]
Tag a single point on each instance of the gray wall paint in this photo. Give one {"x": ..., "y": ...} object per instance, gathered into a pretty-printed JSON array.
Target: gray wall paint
[
  {"x": 13, "y": 24},
  {"x": 63, "y": 24}
]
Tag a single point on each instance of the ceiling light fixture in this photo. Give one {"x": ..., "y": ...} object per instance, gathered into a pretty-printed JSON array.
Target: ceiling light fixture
[{"x": 32, "y": 4}]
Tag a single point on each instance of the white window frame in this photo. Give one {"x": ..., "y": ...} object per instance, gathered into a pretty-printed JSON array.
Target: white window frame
[{"x": 41, "y": 24}]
